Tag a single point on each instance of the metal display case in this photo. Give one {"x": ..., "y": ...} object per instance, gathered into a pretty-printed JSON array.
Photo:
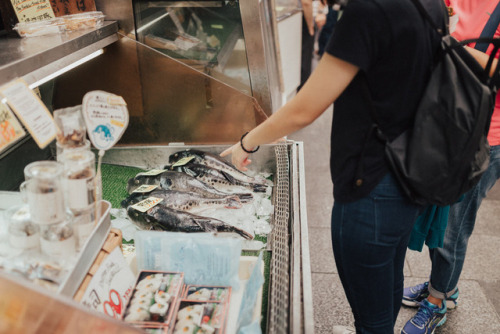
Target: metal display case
[
  {"x": 173, "y": 106},
  {"x": 233, "y": 41}
]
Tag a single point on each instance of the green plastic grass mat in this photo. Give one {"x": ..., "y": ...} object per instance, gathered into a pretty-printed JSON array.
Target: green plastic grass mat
[
  {"x": 114, "y": 190},
  {"x": 114, "y": 182}
]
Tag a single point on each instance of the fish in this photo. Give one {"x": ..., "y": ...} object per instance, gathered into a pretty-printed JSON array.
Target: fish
[
  {"x": 141, "y": 179},
  {"x": 216, "y": 178},
  {"x": 161, "y": 217},
  {"x": 214, "y": 161},
  {"x": 185, "y": 201},
  {"x": 173, "y": 180}
]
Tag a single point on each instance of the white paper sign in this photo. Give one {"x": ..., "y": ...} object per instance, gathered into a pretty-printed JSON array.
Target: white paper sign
[
  {"x": 111, "y": 287},
  {"x": 10, "y": 129},
  {"x": 31, "y": 111},
  {"x": 106, "y": 117}
]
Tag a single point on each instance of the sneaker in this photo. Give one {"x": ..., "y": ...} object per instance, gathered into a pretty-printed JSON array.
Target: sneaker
[
  {"x": 452, "y": 301},
  {"x": 414, "y": 295},
  {"x": 343, "y": 330},
  {"x": 428, "y": 317}
]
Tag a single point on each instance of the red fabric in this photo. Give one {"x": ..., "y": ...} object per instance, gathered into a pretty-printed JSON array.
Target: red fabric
[{"x": 472, "y": 17}]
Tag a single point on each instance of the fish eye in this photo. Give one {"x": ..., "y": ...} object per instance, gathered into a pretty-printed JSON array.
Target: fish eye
[{"x": 136, "y": 181}]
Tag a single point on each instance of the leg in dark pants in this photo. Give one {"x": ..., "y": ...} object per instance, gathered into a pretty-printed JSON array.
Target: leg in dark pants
[
  {"x": 307, "y": 53},
  {"x": 369, "y": 238}
]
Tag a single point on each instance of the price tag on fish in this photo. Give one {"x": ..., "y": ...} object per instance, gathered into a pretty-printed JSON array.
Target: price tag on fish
[
  {"x": 183, "y": 161},
  {"x": 106, "y": 117},
  {"x": 147, "y": 204},
  {"x": 152, "y": 172},
  {"x": 145, "y": 188}
]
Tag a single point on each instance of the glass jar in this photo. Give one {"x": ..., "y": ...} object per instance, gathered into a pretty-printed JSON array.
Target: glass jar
[
  {"x": 23, "y": 233},
  {"x": 43, "y": 192},
  {"x": 58, "y": 240},
  {"x": 70, "y": 126},
  {"x": 79, "y": 179},
  {"x": 60, "y": 148},
  {"x": 79, "y": 188}
]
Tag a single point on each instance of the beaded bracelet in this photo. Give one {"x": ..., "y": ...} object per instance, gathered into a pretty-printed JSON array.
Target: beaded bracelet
[{"x": 243, "y": 148}]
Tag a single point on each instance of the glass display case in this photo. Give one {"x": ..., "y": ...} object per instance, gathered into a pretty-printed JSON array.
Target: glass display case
[
  {"x": 232, "y": 41},
  {"x": 206, "y": 35}
]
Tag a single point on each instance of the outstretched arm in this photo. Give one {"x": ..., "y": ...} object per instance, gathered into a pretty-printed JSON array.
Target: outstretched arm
[
  {"x": 482, "y": 59},
  {"x": 322, "y": 88}
]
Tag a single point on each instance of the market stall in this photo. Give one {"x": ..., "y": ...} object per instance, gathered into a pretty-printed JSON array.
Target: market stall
[{"x": 173, "y": 107}]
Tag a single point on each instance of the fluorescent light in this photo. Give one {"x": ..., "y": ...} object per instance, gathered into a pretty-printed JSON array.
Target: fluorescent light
[
  {"x": 66, "y": 69},
  {"x": 147, "y": 25}
]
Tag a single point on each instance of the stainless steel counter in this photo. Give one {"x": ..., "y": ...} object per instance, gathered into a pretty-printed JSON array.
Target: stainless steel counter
[{"x": 34, "y": 58}]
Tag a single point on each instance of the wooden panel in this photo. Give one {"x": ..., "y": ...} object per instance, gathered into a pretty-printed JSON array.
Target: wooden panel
[{"x": 67, "y": 7}]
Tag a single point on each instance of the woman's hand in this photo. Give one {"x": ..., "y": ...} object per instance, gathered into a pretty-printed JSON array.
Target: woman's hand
[{"x": 239, "y": 158}]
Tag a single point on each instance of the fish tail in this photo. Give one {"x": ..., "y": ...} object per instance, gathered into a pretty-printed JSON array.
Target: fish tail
[
  {"x": 245, "y": 198},
  {"x": 244, "y": 233},
  {"x": 259, "y": 188},
  {"x": 233, "y": 202}
]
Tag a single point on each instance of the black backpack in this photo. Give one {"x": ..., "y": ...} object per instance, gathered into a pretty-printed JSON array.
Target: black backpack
[{"x": 446, "y": 151}]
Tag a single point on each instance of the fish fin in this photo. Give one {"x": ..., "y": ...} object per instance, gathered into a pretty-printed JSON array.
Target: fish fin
[
  {"x": 245, "y": 198},
  {"x": 259, "y": 188},
  {"x": 228, "y": 177},
  {"x": 204, "y": 224}
]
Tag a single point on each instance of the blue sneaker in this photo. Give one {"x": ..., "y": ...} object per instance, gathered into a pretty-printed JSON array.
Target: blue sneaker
[
  {"x": 452, "y": 301},
  {"x": 413, "y": 296},
  {"x": 428, "y": 317}
]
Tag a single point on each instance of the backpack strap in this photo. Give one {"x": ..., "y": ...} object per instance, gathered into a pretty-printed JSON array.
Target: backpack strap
[
  {"x": 490, "y": 28},
  {"x": 429, "y": 19}
]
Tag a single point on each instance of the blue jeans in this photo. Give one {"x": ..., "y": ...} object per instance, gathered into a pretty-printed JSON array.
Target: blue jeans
[
  {"x": 448, "y": 261},
  {"x": 369, "y": 239}
]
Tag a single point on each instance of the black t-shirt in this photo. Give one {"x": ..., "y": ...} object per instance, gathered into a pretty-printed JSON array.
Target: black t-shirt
[{"x": 394, "y": 48}]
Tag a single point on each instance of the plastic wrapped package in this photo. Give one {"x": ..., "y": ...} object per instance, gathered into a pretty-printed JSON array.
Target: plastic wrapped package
[
  {"x": 58, "y": 25},
  {"x": 40, "y": 28},
  {"x": 245, "y": 317},
  {"x": 85, "y": 20},
  {"x": 204, "y": 258},
  {"x": 154, "y": 299}
]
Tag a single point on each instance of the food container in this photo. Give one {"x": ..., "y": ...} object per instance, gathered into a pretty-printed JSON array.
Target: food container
[
  {"x": 220, "y": 294},
  {"x": 43, "y": 192},
  {"x": 60, "y": 148},
  {"x": 40, "y": 28},
  {"x": 70, "y": 126},
  {"x": 85, "y": 20},
  {"x": 58, "y": 241},
  {"x": 191, "y": 316},
  {"x": 154, "y": 299},
  {"x": 78, "y": 179},
  {"x": 79, "y": 190},
  {"x": 23, "y": 233}
]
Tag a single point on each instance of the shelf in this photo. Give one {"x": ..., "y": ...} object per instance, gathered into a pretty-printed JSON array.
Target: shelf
[{"x": 34, "y": 58}]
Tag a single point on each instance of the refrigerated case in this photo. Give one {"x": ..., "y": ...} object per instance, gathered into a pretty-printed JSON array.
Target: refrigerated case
[
  {"x": 233, "y": 41},
  {"x": 173, "y": 106}
]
